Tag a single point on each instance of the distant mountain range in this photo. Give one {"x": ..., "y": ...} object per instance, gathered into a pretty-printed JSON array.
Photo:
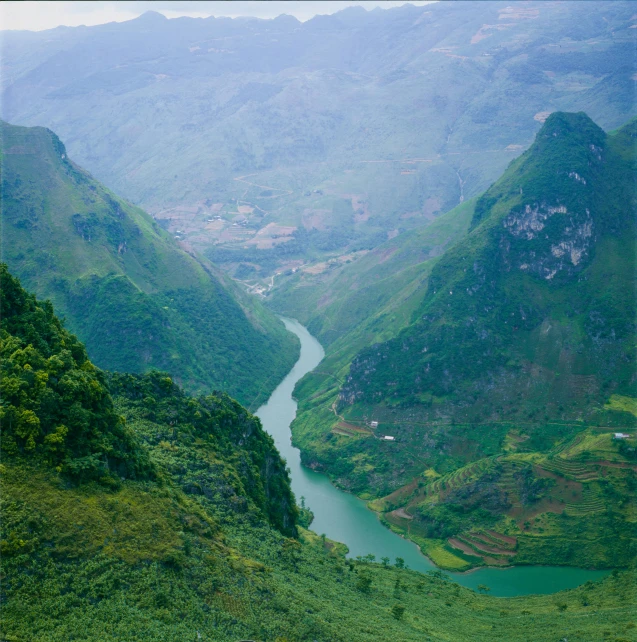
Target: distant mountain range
[
  {"x": 270, "y": 143},
  {"x": 125, "y": 286}
]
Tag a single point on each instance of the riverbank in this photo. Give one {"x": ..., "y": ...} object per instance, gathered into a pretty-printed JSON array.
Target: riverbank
[{"x": 343, "y": 517}]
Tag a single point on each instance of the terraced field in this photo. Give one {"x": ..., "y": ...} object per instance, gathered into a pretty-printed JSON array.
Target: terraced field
[
  {"x": 591, "y": 502},
  {"x": 576, "y": 470},
  {"x": 459, "y": 477},
  {"x": 493, "y": 548},
  {"x": 537, "y": 501}
]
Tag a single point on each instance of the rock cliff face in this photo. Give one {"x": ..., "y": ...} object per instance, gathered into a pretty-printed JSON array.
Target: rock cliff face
[{"x": 571, "y": 235}]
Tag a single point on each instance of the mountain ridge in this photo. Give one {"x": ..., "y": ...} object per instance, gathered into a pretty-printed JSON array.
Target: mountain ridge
[{"x": 269, "y": 143}]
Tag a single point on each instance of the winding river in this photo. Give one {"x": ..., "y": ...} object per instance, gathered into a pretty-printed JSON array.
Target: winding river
[{"x": 345, "y": 518}]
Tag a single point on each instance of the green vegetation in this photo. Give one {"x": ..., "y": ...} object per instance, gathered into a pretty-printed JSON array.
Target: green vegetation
[
  {"x": 124, "y": 286},
  {"x": 574, "y": 505},
  {"x": 55, "y": 404},
  {"x": 188, "y": 531},
  {"x": 507, "y": 377}
]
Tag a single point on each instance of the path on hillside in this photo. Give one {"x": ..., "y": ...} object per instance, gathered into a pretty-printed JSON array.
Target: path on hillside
[{"x": 241, "y": 179}]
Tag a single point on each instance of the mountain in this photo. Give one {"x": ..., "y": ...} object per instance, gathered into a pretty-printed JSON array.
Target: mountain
[
  {"x": 131, "y": 511},
  {"x": 272, "y": 143},
  {"x": 135, "y": 297},
  {"x": 542, "y": 285},
  {"x": 508, "y": 375}
]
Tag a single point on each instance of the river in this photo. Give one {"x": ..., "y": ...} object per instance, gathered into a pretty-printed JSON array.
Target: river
[{"x": 345, "y": 518}]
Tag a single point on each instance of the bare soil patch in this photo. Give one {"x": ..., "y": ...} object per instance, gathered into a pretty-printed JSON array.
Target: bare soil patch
[
  {"x": 487, "y": 548},
  {"x": 461, "y": 546},
  {"x": 541, "y": 116},
  {"x": 402, "y": 513},
  {"x": 512, "y": 541}
]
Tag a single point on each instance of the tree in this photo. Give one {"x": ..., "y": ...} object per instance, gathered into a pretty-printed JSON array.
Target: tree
[
  {"x": 364, "y": 584},
  {"x": 385, "y": 561},
  {"x": 400, "y": 562},
  {"x": 397, "y": 611},
  {"x": 483, "y": 588}
]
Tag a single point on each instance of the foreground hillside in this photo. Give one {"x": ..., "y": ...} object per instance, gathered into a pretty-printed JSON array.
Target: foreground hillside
[
  {"x": 137, "y": 299},
  {"x": 131, "y": 511},
  {"x": 275, "y": 142},
  {"x": 516, "y": 366}
]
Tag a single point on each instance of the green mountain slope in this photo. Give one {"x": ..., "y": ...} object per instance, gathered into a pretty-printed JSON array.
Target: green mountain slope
[
  {"x": 574, "y": 504},
  {"x": 523, "y": 335},
  {"x": 334, "y": 299},
  {"x": 354, "y": 306},
  {"x": 124, "y": 285},
  {"x": 182, "y": 526}
]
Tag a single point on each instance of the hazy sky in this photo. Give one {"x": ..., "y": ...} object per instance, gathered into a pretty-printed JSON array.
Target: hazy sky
[{"x": 36, "y": 16}]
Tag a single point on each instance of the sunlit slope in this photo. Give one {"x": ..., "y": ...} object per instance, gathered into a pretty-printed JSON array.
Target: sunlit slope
[
  {"x": 124, "y": 286},
  {"x": 131, "y": 511}
]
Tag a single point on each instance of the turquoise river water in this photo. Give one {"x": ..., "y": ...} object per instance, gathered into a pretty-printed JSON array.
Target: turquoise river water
[{"x": 345, "y": 518}]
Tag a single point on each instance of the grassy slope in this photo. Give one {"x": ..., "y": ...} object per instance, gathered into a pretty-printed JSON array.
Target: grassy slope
[
  {"x": 556, "y": 384},
  {"x": 123, "y": 285},
  {"x": 194, "y": 550}
]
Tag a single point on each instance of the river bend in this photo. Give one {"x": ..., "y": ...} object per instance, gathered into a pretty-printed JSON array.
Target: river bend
[{"x": 345, "y": 518}]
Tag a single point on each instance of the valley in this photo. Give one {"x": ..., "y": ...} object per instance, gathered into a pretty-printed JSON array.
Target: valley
[
  {"x": 319, "y": 328},
  {"x": 345, "y": 518},
  {"x": 149, "y": 513}
]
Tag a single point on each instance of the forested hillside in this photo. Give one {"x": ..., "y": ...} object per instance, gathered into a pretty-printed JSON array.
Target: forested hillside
[
  {"x": 276, "y": 143},
  {"x": 503, "y": 389},
  {"x": 129, "y": 291},
  {"x": 131, "y": 511}
]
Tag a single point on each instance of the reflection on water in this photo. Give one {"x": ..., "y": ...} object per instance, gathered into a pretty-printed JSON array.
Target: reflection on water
[{"x": 345, "y": 518}]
